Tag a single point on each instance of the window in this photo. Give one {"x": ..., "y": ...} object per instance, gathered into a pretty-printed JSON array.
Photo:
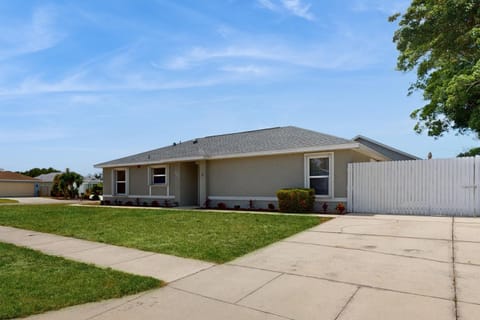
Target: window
[
  {"x": 120, "y": 181},
  {"x": 318, "y": 174},
  {"x": 159, "y": 175}
]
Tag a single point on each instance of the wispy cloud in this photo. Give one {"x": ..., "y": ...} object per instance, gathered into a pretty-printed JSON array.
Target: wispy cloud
[
  {"x": 293, "y": 7},
  {"x": 22, "y": 37},
  {"x": 329, "y": 55},
  {"x": 246, "y": 69},
  {"x": 267, "y": 4},
  {"x": 296, "y": 7},
  {"x": 265, "y": 59},
  {"x": 386, "y": 7}
]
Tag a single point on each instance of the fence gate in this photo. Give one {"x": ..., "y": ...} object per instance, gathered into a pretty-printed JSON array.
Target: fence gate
[{"x": 427, "y": 187}]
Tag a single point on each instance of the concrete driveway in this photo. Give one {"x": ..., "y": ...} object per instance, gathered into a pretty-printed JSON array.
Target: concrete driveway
[{"x": 353, "y": 267}]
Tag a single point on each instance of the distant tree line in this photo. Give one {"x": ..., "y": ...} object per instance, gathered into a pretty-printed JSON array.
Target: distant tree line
[
  {"x": 470, "y": 153},
  {"x": 35, "y": 172}
]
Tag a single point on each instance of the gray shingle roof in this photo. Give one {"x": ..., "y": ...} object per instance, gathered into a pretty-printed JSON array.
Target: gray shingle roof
[
  {"x": 389, "y": 152},
  {"x": 47, "y": 177},
  {"x": 258, "y": 141}
]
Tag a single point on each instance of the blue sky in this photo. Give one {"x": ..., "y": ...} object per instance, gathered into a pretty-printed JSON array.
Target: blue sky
[{"x": 82, "y": 82}]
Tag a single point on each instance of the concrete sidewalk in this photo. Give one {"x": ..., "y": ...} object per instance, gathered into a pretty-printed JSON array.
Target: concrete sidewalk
[
  {"x": 161, "y": 266},
  {"x": 352, "y": 267}
]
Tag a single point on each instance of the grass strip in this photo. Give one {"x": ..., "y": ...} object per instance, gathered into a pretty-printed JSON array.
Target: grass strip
[
  {"x": 211, "y": 236},
  {"x": 32, "y": 282}
]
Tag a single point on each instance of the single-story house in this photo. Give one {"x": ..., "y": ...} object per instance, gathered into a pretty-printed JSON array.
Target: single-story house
[
  {"x": 88, "y": 183},
  {"x": 46, "y": 183},
  {"x": 14, "y": 184},
  {"x": 242, "y": 169}
]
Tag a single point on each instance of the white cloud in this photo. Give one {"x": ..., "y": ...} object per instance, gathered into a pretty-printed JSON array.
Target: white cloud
[
  {"x": 386, "y": 7},
  {"x": 199, "y": 55},
  {"x": 297, "y": 8},
  {"x": 336, "y": 54},
  {"x": 27, "y": 37},
  {"x": 293, "y": 7},
  {"x": 267, "y": 4},
  {"x": 245, "y": 69}
]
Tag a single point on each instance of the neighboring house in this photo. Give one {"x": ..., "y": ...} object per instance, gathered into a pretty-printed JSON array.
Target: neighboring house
[
  {"x": 14, "y": 184},
  {"x": 88, "y": 183},
  {"x": 46, "y": 183},
  {"x": 241, "y": 168}
]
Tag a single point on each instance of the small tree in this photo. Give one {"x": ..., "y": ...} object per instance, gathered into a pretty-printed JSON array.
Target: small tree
[{"x": 67, "y": 184}]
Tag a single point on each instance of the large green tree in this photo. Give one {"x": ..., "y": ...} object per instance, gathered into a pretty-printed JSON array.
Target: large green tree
[{"x": 440, "y": 40}]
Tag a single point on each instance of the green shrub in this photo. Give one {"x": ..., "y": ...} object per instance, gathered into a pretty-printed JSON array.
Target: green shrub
[{"x": 296, "y": 200}]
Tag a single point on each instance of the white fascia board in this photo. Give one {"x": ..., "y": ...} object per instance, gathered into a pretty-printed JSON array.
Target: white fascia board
[
  {"x": 343, "y": 146},
  {"x": 148, "y": 163}
]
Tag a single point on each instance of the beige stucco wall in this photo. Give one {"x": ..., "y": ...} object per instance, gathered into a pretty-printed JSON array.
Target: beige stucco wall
[
  {"x": 341, "y": 159},
  {"x": 240, "y": 177},
  {"x": 256, "y": 176},
  {"x": 107, "y": 181},
  {"x": 138, "y": 180},
  {"x": 45, "y": 189},
  {"x": 188, "y": 184},
  {"x": 17, "y": 189},
  {"x": 263, "y": 176}
]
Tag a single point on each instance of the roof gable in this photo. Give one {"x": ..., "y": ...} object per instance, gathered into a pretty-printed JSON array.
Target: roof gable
[{"x": 389, "y": 152}]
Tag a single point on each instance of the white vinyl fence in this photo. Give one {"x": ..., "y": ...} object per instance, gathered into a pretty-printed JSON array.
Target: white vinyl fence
[{"x": 425, "y": 187}]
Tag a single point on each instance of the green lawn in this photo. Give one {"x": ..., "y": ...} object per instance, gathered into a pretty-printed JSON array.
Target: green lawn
[
  {"x": 31, "y": 282},
  {"x": 8, "y": 201},
  {"x": 209, "y": 236}
]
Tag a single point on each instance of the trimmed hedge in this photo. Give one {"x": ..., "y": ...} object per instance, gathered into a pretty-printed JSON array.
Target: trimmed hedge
[{"x": 296, "y": 200}]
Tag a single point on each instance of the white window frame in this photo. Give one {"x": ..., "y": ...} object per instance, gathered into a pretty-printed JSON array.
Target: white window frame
[
  {"x": 151, "y": 176},
  {"x": 329, "y": 156},
  {"x": 115, "y": 181}
]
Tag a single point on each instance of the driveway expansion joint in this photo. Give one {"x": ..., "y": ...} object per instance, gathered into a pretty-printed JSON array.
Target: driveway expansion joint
[
  {"x": 259, "y": 288},
  {"x": 192, "y": 274},
  {"x": 454, "y": 272},
  {"x": 345, "y": 282},
  {"x": 347, "y": 303},
  {"x": 379, "y": 235},
  {"x": 231, "y": 303},
  {"x": 366, "y": 250}
]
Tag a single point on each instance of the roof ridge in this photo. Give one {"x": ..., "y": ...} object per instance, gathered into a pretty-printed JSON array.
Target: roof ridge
[{"x": 242, "y": 132}]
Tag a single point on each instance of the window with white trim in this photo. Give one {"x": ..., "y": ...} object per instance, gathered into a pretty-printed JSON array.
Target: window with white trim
[
  {"x": 120, "y": 182},
  {"x": 319, "y": 174},
  {"x": 159, "y": 175}
]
